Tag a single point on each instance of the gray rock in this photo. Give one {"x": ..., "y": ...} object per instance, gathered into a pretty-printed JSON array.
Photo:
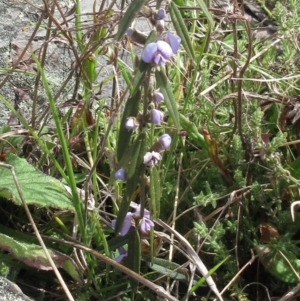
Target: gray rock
[{"x": 9, "y": 291}]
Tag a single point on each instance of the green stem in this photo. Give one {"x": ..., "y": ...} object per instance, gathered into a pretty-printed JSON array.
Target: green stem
[{"x": 71, "y": 179}]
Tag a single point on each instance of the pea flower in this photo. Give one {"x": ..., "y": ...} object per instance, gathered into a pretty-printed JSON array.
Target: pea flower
[
  {"x": 158, "y": 96},
  {"x": 157, "y": 53},
  {"x": 156, "y": 116},
  {"x": 145, "y": 225},
  {"x": 173, "y": 40},
  {"x": 162, "y": 143},
  {"x": 122, "y": 253},
  {"x": 165, "y": 141},
  {"x": 120, "y": 174},
  {"x": 131, "y": 124},
  {"x": 161, "y": 14},
  {"x": 126, "y": 224},
  {"x": 152, "y": 158}
]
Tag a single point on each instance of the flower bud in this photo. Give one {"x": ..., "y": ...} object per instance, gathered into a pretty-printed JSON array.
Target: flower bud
[
  {"x": 120, "y": 174},
  {"x": 160, "y": 26},
  {"x": 158, "y": 96},
  {"x": 131, "y": 124},
  {"x": 165, "y": 141},
  {"x": 156, "y": 117},
  {"x": 161, "y": 14}
]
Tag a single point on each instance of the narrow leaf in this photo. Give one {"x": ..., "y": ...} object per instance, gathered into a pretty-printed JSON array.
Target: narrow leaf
[
  {"x": 134, "y": 256},
  {"x": 206, "y": 12},
  {"x": 134, "y": 7},
  {"x": 134, "y": 169},
  {"x": 170, "y": 269},
  {"x": 169, "y": 100},
  {"x": 211, "y": 271},
  {"x": 155, "y": 192},
  {"x": 181, "y": 29},
  {"x": 192, "y": 131},
  {"x": 131, "y": 110}
]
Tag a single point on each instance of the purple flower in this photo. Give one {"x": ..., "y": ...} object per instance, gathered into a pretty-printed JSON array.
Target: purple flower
[
  {"x": 156, "y": 117},
  {"x": 120, "y": 174},
  {"x": 152, "y": 158},
  {"x": 145, "y": 225},
  {"x": 157, "y": 53},
  {"x": 158, "y": 96},
  {"x": 129, "y": 31},
  {"x": 126, "y": 224},
  {"x": 165, "y": 141},
  {"x": 122, "y": 254},
  {"x": 161, "y": 14},
  {"x": 131, "y": 124},
  {"x": 173, "y": 40}
]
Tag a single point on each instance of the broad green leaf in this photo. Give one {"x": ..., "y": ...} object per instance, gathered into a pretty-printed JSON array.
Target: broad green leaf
[
  {"x": 23, "y": 248},
  {"x": 134, "y": 256},
  {"x": 131, "y": 109},
  {"x": 38, "y": 189},
  {"x": 181, "y": 29},
  {"x": 279, "y": 264},
  {"x": 165, "y": 89},
  {"x": 134, "y": 7},
  {"x": 155, "y": 192}
]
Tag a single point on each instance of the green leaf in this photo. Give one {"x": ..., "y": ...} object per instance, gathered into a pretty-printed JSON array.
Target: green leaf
[
  {"x": 192, "y": 131},
  {"x": 38, "y": 189},
  {"x": 211, "y": 271},
  {"x": 134, "y": 7},
  {"x": 180, "y": 27},
  {"x": 134, "y": 256},
  {"x": 169, "y": 100},
  {"x": 131, "y": 109},
  {"x": 279, "y": 264},
  {"x": 23, "y": 248},
  {"x": 155, "y": 192},
  {"x": 170, "y": 269},
  {"x": 206, "y": 12}
]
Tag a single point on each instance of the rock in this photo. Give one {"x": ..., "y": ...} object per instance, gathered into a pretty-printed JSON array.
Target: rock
[{"x": 9, "y": 291}]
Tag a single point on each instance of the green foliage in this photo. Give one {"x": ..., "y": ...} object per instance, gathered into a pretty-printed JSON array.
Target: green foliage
[
  {"x": 53, "y": 192},
  {"x": 222, "y": 188}
]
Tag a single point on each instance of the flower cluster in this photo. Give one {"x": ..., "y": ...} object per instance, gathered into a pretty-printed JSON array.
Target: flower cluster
[
  {"x": 160, "y": 52},
  {"x": 145, "y": 225},
  {"x": 152, "y": 157}
]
